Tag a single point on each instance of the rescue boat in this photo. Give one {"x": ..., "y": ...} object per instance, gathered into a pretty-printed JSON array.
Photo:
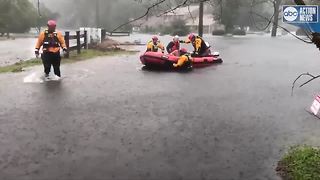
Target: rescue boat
[{"x": 158, "y": 59}]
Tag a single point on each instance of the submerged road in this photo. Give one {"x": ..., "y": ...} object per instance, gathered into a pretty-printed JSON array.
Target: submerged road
[{"x": 108, "y": 119}]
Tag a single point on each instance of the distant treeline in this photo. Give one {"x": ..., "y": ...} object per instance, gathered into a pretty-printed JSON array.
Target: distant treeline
[{"x": 18, "y": 16}]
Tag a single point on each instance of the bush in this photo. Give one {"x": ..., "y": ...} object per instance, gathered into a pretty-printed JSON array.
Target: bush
[
  {"x": 239, "y": 32},
  {"x": 300, "y": 163},
  {"x": 148, "y": 29},
  {"x": 177, "y": 27},
  {"x": 219, "y": 32}
]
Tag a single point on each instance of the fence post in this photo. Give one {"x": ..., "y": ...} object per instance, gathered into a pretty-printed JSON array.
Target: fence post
[
  {"x": 85, "y": 40},
  {"x": 78, "y": 43},
  {"x": 103, "y": 35},
  {"x": 67, "y": 38}
]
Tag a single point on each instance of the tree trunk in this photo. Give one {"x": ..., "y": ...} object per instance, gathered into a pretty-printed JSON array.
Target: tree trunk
[
  {"x": 299, "y": 2},
  {"x": 276, "y": 18},
  {"x": 200, "y": 27},
  {"x": 97, "y": 13},
  {"x": 221, "y": 10}
]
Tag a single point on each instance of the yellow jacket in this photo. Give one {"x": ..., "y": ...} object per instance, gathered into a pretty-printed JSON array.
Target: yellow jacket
[
  {"x": 196, "y": 44},
  {"x": 154, "y": 47},
  {"x": 49, "y": 43},
  {"x": 182, "y": 59}
]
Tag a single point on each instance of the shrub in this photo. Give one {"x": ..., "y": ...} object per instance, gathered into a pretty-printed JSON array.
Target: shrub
[
  {"x": 301, "y": 162},
  {"x": 176, "y": 27},
  {"x": 218, "y": 32}
]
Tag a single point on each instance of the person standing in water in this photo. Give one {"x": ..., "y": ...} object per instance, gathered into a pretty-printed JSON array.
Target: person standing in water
[{"x": 51, "y": 42}]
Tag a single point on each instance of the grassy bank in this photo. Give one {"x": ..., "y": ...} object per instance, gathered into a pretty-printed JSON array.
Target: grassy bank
[
  {"x": 300, "y": 163},
  {"x": 74, "y": 57}
]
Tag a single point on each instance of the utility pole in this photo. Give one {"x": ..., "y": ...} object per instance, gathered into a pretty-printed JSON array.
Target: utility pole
[
  {"x": 39, "y": 18},
  {"x": 276, "y": 5},
  {"x": 221, "y": 10},
  {"x": 200, "y": 26},
  {"x": 98, "y": 13}
]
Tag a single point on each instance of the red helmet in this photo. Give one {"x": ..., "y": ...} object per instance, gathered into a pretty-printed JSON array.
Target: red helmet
[
  {"x": 183, "y": 50},
  {"x": 191, "y": 37},
  {"x": 52, "y": 23},
  {"x": 155, "y": 38}
]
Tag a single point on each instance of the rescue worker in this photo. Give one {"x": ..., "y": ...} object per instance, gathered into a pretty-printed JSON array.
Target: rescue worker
[
  {"x": 51, "y": 41},
  {"x": 154, "y": 45},
  {"x": 184, "y": 61},
  {"x": 200, "y": 46},
  {"x": 174, "y": 46}
]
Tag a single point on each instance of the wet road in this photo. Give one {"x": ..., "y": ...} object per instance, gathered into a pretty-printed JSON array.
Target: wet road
[{"x": 108, "y": 119}]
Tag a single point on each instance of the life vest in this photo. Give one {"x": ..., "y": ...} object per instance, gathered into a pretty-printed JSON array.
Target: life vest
[
  {"x": 203, "y": 47},
  {"x": 154, "y": 47},
  {"x": 188, "y": 63},
  {"x": 189, "y": 60},
  {"x": 50, "y": 40},
  {"x": 188, "y": 56},
  {"x": 176, "y": 46}
]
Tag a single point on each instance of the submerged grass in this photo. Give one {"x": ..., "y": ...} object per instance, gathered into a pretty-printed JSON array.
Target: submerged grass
[
  {"x": 74, "y": 57},
  {"x": 300, "y": 163}
]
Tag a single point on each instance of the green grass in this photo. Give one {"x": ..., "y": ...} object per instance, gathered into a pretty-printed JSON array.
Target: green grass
[
  {"x": 300, "y": 163},
  {"x": 74, "y": 57}
]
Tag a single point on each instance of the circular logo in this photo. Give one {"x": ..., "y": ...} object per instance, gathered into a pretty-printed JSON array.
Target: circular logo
[{"x": 290, "y": 14}]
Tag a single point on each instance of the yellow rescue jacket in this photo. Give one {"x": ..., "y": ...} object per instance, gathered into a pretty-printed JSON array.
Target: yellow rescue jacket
[
  {"x": 182, "y": 60},
  {"x": 154, "y": 47},
  {"x": 198, "y": 44}
]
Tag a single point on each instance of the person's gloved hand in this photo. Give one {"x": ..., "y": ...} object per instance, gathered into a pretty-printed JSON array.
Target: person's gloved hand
[
  {"x": 65, "y": 51},
  {"x": 175, "y": 65},
  {"x": 36, "y": 52}
]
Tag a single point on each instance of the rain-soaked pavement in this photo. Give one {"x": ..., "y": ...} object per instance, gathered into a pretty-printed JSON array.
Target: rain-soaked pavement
[{"x": 108, "y": 119}]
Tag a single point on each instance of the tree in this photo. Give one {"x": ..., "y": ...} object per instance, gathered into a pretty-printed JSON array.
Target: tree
[
  {"x": 177, "y": 27},
  {"x": 276, "y": 6},
  {"x": 200, "y": 26},
  {"x": 4, "y": 16},
  {"x": 44, "y": 16},
  {"x": 18, "y": 16},
  {"x": 21, "y": 16},
  {"x": 233, "y": 13}
]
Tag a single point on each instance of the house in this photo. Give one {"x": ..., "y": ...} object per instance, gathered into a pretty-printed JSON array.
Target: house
[
  {"x": 208, "y": 23},
  {"x": 190, "y": 14}
]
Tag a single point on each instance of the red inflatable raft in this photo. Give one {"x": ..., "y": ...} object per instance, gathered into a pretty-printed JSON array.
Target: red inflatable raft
[{"x": 160, "y": 60}]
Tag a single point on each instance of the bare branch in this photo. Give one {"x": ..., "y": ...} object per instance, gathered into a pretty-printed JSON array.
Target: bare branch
[
  {"x": 263, "y": 17},
  {"x": 191, "y": 14},
  {"x": 184, "y": 3},
  {"x": 144, "y": 15},
  {"x": 255, "y": 3},
  {"x": 309, "y": 80},
  {"x": 269, "y": 20},
  {"x": 301, "y": 75}
]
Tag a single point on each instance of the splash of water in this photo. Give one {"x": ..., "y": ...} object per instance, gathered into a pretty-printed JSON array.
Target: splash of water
[{"x": 34, "y": 77}]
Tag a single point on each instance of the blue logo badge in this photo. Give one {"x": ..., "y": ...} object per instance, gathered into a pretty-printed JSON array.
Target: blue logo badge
[{"x": 300, "y": 14}]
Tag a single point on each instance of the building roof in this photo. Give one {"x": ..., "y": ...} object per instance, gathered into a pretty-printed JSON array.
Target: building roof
[
  {"x": 181, "y": 13},
  {"x": 207, "y": 20},
  {"x": 183, "y": 10}
]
